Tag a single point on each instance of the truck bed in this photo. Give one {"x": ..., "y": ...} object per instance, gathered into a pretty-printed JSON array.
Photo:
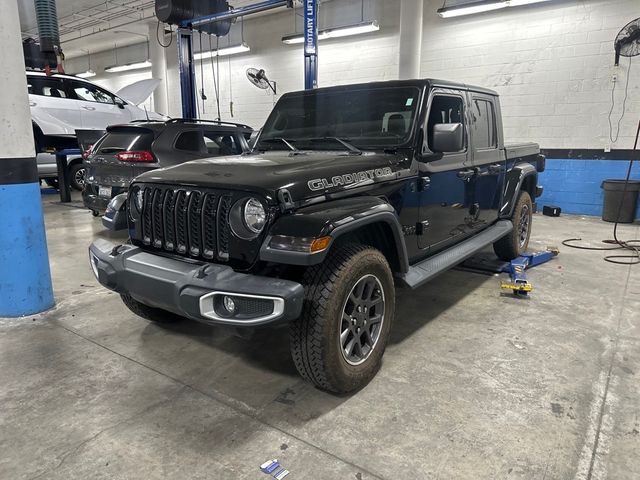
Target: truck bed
[{"x": 519, "y": 150}]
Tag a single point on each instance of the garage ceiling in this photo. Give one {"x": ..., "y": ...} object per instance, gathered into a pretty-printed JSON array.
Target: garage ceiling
[{"x": 92, "y": 24}]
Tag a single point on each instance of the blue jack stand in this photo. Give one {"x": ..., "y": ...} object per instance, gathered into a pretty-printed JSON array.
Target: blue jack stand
[{"x": 519, "y": 284}]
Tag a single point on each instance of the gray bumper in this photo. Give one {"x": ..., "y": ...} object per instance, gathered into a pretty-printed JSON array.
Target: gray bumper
[{"x": 192, "y": 289}]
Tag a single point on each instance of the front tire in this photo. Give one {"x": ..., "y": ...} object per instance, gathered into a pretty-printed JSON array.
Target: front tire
[
  {"x": 150, "y": 313},
  {"x": 338, "y": 341},
  {"x": 517, "y": 242}
]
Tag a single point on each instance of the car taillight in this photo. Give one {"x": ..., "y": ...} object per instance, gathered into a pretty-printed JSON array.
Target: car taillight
[
  {"x": 87, "y": 152},
  {"x": 141, "y": 156}
]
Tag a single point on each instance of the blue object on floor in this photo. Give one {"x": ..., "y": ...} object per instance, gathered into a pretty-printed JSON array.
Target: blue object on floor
[{"x": 519, "y": 284}]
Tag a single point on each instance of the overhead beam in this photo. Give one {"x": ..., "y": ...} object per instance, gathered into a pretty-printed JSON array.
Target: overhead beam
[{"x": 234, "y": 13}]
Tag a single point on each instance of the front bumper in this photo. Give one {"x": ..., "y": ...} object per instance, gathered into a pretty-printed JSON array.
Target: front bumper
[
  {"x": 193, "y": 289},
  {"x": 94, "y": 202}
]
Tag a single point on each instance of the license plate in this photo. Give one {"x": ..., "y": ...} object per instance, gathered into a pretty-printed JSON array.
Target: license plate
[{"x": 104, "y": 192}]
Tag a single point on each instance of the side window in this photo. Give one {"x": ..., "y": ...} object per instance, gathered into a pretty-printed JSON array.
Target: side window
[
  {"x": 484, "y": 124},
  {"x": 91, "y": 93},
  {"x": 221, "y": 144},
  {"x": 191, "y": 141},
  {"x": 47, "y": 87},
  {"x": 444, "y": 109}
]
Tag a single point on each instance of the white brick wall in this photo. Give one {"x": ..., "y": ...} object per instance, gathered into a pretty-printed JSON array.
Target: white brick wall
[{"x": 551, "y": 63}]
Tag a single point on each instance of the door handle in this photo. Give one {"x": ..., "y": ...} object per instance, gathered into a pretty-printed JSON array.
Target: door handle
[
  {"x": 89, "y": 108},
  {"x": 495, "y": 168},
  {"x": 466, "y": 174}
]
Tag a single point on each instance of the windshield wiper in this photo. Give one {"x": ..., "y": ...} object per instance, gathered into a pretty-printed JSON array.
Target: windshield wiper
[
  {"x": 283, "y": 140},
  {"x": 352, "y": 149}
]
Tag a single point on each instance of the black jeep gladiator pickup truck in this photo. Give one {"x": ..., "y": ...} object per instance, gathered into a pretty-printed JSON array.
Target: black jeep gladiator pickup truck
[{"x": 348, "y": 192}]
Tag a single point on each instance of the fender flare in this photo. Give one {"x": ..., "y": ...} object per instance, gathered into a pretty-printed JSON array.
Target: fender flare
[
  {"x": 514, "y": 180},
  {"x": 375, "y": 211}
]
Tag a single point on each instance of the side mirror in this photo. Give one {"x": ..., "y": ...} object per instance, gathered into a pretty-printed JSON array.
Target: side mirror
[
  {"x": 448, "y": 137},
  {"x": 119, "y": 102}
]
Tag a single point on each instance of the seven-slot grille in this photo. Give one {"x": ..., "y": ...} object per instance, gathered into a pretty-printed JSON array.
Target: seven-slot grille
[{"x": 188, "y": 222}]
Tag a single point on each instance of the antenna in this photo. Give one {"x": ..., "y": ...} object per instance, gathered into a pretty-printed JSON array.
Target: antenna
[{"x": 146, "y": 113}]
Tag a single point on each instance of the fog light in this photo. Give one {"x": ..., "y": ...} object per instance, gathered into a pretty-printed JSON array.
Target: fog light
[{"x": 229, "y": 304}]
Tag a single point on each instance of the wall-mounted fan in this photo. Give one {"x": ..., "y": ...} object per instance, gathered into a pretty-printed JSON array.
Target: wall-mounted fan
[
  {"x": 627, "y": 42},
  {"x": 260, "y": 80}
]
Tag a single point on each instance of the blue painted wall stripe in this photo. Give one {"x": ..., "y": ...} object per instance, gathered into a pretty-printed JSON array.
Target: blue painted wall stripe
[
  {"x": 574, "y": 185},
  {"x": 25, "y": 277}
]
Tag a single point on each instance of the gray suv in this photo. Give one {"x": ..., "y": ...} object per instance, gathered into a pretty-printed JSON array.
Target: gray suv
[{"x": 127, "y": 151}]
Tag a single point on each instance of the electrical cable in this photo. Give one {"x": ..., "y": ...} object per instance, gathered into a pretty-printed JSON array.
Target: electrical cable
[
  {"x": 216, "y": 87},
  {"x": 158, "y": 36},
  {"x": 630, "y": 245},
  {"x": 202, "y": 95},
  {"x": 624, "y": 106}
]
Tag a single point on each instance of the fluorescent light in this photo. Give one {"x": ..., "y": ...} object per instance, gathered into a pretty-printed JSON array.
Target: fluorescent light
[
  {"x": 345, "y": 31},
  {"x": 482, "y": 6},
  {"x": 223, "y": 52},
  {"x": 128, "y": 66},
  {"x": 468, "y": 9},
  {"x": 517, "y": 3},
  {"x": 88, "y": 74}
]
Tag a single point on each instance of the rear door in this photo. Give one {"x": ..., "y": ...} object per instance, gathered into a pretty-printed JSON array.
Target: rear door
[
  {"x": 488, "y": 159},
  {"x": 97, "y": 106},
  {"x": 51, "y": 96}
]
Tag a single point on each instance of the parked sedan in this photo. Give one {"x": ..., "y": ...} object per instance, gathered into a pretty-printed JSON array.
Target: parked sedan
[{"x": 128, "y": 150}]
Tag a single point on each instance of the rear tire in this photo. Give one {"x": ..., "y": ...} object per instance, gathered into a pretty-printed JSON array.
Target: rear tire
[
  {"x": 77, "y": 173},
  {"x": 150, "y": 313},
  {"x": 338, "y": 341},
  {"x": 516, "y": 243}
]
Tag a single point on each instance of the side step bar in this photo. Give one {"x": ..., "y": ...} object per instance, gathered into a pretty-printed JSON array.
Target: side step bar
[{"x": 424, "y": 271}]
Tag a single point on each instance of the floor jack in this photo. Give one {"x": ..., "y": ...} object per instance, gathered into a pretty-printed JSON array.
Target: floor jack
[{"x": 518, "y": 284}]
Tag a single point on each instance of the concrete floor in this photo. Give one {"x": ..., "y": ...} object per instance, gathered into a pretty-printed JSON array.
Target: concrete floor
[{"x": 475, "y": 385}]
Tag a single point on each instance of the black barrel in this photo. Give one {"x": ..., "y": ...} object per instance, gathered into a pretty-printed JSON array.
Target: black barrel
[{"x": 620, "y": 205}]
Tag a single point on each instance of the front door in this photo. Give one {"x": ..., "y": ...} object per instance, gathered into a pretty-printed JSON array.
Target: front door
[
  {"x": 488, "y": 159},
  {"x": 445, "y": 200},
  {"x": 98, "y": 107}
]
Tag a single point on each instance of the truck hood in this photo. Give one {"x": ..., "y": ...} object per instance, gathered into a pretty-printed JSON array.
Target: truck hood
[
  {"x": 304, "y": 175},
  {"x": 139, "y": 91}
]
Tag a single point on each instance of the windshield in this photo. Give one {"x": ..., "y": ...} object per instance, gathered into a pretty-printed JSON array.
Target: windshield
[{"x": 365, "y": 118}]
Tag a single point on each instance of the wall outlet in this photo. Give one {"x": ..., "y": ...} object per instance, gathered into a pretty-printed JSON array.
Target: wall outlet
[
  {"x": 614, "y": 77},
  {"x": 607, "y": 148}
]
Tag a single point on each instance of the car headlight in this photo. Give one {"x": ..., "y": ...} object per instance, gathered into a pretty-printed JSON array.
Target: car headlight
[{"x": 254, "y": 215}]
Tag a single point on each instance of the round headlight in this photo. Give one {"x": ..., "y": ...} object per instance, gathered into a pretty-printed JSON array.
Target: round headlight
[{"x": 254, "y": 215}]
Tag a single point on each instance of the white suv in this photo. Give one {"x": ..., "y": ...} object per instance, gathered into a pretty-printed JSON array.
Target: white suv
[{"x": 62, "y": 104}]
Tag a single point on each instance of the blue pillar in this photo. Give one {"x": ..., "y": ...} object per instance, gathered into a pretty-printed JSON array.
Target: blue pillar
[
  {"x": 310, "y": 44},
  {"x": 25, "y": 278}
]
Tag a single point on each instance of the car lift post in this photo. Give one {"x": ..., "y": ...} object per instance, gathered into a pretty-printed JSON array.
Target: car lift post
[
  {"x": 310, "y": 44},
  {"x": 63, "y": 172},
  {"x": 186, "y": 68}
]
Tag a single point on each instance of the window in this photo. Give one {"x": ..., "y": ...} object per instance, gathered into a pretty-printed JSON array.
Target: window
[
  {"x": 484, "y": 124},
  {"x": 221, "y": 144},
  {"x": 364, "y": 117},
  {"x": 91, "y": 93},
  {"x": 444, "y": 109},
  {"x": 47, "y": 87},
  {"x": 191, "y": 141}
]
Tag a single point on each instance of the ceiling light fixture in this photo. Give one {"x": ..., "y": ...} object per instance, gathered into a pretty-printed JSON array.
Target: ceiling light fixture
[
  {"x": 222, "y": 52},
  {"x": 88, "y": 74},
  {"x": 128, "y": 66},
  {"x": 337, "y": 32},
  {"x": 482, "y": 6}
]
